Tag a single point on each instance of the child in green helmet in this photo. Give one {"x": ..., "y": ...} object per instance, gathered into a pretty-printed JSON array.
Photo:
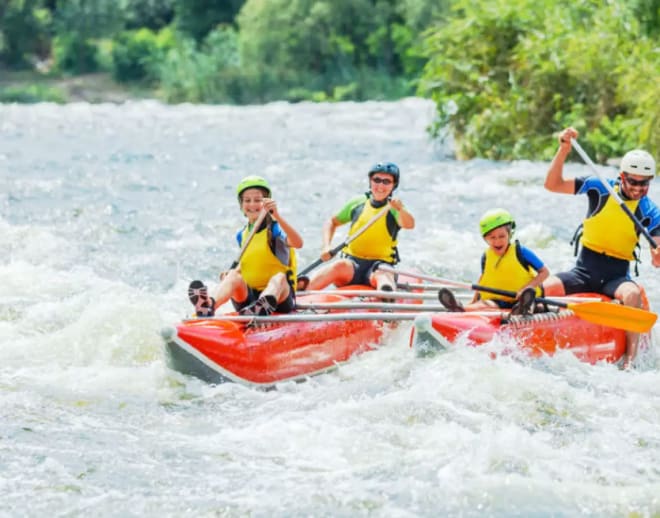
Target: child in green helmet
[
  {"x": 505, "y": 265},
  {"x": 261, "y": 281}
]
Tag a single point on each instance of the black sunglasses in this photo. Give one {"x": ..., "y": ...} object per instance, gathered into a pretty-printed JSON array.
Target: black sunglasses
[
  {"x": 384, "y": 181},
  {"x": 636, "y": 183}
]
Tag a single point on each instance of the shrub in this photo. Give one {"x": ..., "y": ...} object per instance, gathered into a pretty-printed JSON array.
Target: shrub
[{"x": 506, "y": 74}]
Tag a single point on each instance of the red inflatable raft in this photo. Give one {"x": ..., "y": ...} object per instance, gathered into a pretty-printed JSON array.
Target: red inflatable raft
[
  {"x": 279, "y": 347},
  {"x": 539, "y": 334}
]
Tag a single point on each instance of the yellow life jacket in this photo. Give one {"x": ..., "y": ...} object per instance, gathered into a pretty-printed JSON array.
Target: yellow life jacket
[
  {"x": 610, "y": 231},
  {"x": 505, "y": 272},
  {"x": 376, "y": 243},
  {"x": 261, "y": 260}
]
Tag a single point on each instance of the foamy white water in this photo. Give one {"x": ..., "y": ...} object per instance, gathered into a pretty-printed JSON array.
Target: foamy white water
[{"x": 107, "y": 212}]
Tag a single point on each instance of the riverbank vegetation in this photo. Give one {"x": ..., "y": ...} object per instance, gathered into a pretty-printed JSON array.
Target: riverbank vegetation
[{"x": 504, "y": 74}]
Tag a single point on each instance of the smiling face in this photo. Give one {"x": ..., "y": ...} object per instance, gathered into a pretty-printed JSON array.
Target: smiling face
[
  {"x": 251, "y": 202},
  {"x": 382, "y": 185},
  {"x": 498, "y": 239},
  {"x": 635, "y": 186}
]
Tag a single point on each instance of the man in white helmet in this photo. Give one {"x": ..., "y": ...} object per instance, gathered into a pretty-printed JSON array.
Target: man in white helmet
[{"x": 609, "y": 236}]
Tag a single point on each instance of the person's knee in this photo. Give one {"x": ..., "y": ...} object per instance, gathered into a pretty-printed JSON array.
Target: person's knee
[
  {"x": 344, "y": 270},
  {"x": 279, "y": 282},
  {"x": 378, "y": 279},
  {"x": 630, "y": 296},
  {"x": 232, "y": 276},
  {"x": 553, "y": 286},
  {"x": 278, "y": 278}
]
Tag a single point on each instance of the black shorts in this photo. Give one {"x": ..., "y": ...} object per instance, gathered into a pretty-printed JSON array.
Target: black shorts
[
  {"x": 595, "y": 272},
  {"x": 503, "y": 304},
  {"x": 287, "y": 306},
  {"x": 363, "y": 268}
]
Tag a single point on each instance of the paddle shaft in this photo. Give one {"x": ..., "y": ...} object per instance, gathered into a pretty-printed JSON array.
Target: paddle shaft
[
  {"x": 329, "y": 317},
  {"x": 638, "y": 225},
  {"x": 372, "y": 294},
  {"x": 468, "y": 286},
  {"x": 437, "y": 286},
  {"x": 349, "y": 239},
  {"x": 384, "y": 306},
  {"x": 254, "y": 230},
  {"x": 603, "y": 313}
]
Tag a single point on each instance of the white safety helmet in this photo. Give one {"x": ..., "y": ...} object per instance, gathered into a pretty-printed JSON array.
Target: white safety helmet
[{"x": 638, "y": 162}]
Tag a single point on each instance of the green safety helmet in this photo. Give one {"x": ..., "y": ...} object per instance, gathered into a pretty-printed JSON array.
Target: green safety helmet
[
  {"x": 495, "y": 218},
  {"x": 252, "y": 181}
]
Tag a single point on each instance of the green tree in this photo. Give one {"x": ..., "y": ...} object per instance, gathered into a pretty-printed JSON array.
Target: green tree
[
  {"x": 24, "y": 26},
  {"x": 150, "y": 14},
  {"x": 198, "y": 17},
  {"x": 324, "y": 44},
  {"x": 505, "y": 74},
  {"x": 77, "y": 24}
]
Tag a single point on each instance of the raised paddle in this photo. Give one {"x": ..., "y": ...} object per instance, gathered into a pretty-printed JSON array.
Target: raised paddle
[
  {"x": 348, "y": 240},
  {"x": 603, "y": 313},
  {"x": 638, "y": 225}
]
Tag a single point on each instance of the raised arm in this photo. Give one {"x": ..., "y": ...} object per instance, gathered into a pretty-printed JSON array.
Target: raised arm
[
  {"x": 406, "y": 219},
  {"x": 293, "y": 238},
  {"x": 554, "y": 180}
]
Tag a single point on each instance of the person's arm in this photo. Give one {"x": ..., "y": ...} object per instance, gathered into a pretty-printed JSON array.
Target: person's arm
[
  {"x": 293, "y": 238},
  {"x": 542, "y": 271},
  {"x": 405, "y": 219},
  {"x": 655, "y": 253},
  {"x": 554, "y": 180},
  {"x": 329, "y": 228}
]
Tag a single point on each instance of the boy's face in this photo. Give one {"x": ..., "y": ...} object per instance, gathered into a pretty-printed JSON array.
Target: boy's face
[
  {"x": 252, "y": 200},
  {"x": 498, "y": 239}
]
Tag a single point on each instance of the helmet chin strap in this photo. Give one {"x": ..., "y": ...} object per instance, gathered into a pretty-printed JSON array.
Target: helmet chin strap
[{"x": 375, "y": 203}]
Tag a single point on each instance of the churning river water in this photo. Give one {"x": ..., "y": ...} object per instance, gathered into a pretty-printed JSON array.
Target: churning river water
[{"x": 106, "y": 214}]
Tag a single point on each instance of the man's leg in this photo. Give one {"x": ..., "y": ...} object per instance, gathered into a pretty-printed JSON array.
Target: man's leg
[{"x": 630, "y": 295}]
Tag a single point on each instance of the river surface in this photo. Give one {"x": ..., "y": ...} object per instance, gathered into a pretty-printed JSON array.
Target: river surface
[{"x": 106, "y": 214}]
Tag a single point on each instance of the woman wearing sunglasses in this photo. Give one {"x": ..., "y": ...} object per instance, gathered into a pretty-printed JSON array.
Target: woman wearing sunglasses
[
  {"x": 609, "y": 236},
  {"x": 375, "y": 245}
]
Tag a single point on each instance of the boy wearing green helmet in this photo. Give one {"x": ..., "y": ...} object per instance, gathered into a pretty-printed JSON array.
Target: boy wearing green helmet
[
  {"x": 505, "y": 267},
  {"x": 261, "y": 281}
]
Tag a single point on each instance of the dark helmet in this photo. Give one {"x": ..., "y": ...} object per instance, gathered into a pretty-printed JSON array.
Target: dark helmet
[{"x": 386, "y": 167}]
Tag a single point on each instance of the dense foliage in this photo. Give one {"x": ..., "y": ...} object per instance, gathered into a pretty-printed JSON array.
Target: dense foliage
[{"x": 505, "y": 74}]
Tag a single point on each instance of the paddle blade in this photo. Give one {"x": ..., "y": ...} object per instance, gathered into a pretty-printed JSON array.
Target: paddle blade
[{"x": 615, "y": 315}]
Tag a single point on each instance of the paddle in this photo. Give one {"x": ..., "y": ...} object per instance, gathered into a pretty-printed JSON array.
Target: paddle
[
  {"x": 255, "y": 227},
  {"x": 329, "y": 317},
  {"x": 603, "y": 313},
  {"x": 372, "y": 293},
  {"x": 348, "y": 240},
  {"x": 638, "y": 225},
  {"x": 383, "y": 306},
  {"x": 436, "y": 287}
]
